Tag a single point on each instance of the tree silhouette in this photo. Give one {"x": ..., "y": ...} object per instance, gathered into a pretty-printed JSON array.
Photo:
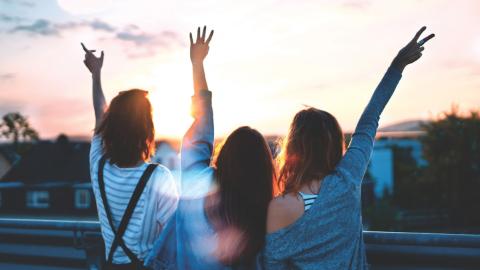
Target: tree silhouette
[
  {"x": 451, "y": 147},
  {"x": 16, "y": 128}
]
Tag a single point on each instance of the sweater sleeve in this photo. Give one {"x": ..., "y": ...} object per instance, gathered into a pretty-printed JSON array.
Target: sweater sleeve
[
  {"x": 197, "y": 144},
  {"x": 357, "y": 156}
]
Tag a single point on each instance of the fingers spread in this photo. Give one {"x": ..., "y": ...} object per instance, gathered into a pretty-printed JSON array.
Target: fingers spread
[
  {"x": 419, "y": 33},
  {"x": 204, "y": 32},
  {"x": 210, "y": 37},
  {"x": 424, "y": 40}
]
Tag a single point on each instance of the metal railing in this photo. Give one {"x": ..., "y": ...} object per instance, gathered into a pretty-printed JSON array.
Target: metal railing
[{"x": 82, "y": 246}]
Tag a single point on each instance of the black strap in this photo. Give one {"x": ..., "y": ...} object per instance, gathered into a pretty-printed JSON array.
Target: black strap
[{"x": 118, "y": 240}]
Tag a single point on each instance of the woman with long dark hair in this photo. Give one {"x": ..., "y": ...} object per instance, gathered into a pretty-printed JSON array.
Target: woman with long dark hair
[
  {"x": 135, "y": 198},
  {"x": 221, "y": 217},
  {"x": 316, "y": 223}
]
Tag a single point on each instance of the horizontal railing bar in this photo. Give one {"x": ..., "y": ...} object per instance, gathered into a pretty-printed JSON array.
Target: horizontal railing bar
[
  {"x": 371, "y": 237},
  {"x": 45, "y": 224},
  {"x": 422, "y": 239}
]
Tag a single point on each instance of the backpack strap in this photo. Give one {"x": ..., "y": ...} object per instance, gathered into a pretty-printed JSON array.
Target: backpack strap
[{"x": 118, "y": 240}]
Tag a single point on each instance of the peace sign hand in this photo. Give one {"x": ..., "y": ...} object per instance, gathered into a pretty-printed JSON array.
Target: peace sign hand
[
  {"x": 199, "y": 48},
  {"x": 412, "y": 51},
  {"x": 93, "y": 63}
]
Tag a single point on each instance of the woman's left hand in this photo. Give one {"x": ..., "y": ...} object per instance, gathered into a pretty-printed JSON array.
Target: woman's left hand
[{"x": 412, "y": 51}]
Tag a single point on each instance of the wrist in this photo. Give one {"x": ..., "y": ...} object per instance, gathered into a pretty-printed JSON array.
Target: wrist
[
  {"x": 398, "y": 66},
  {"x": 197, "y": 63},
  {"x": 96, "y": 74}
]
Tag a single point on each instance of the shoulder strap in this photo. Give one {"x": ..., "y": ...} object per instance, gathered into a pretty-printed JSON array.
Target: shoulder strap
[{"x": 118, "y": 240}]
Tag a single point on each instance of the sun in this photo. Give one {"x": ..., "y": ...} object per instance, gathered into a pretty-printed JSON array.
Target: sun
[{"x": 171, "y": 98}]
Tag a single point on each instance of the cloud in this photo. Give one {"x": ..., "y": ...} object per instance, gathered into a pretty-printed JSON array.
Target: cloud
[
  {"x": 100, "y": 25},
  {"x": 21, "y": 3},
  {"x": 7, "y": 76},
  {"x": 146, "y": 44},
  {"x": 40, "y": 27},
  {"x": 45, "y": 27},
  {"x": 10, "y": 19}
]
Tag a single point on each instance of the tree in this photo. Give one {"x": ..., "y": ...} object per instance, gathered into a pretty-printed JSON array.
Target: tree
[
  {"x": 15, "y": 127},
  {"x": 451, "y": 147}
]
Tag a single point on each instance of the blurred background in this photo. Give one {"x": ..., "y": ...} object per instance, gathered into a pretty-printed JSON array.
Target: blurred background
[{"x": 268, "y": 59}]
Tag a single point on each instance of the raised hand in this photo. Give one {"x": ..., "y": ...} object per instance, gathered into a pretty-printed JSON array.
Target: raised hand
[
  {"x": 93, "y": 63},
  {"x": 199, "y": 48},
  {"x": 412, "y": 51}
]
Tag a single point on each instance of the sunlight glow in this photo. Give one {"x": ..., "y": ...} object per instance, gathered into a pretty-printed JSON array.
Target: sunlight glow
[{"x": 170, "y": 98}]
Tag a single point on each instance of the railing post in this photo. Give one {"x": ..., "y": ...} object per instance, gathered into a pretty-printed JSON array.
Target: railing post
[{"x": 94, "y": 250}]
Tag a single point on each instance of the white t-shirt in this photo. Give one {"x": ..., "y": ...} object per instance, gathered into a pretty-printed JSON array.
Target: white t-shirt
[{"x": 156, "y": 205}]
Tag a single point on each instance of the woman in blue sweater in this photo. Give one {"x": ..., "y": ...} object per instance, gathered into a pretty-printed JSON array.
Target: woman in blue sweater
[
  {"x": 221, "y": 216},
  {"x": 316, "y": 223}
]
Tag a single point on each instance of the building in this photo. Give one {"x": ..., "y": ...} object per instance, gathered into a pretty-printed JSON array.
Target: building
[
  {"x": 404, "y": 135},
  {"x": 52, "y": 178},
  {"x": 7, "y": 158}
]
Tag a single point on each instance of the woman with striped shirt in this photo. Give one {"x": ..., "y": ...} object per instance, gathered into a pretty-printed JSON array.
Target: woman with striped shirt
[{"x": 135, "y": 199}]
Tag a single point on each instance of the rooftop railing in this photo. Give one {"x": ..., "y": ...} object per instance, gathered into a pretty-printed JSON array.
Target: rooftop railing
[{"x": 67, "y": 244}]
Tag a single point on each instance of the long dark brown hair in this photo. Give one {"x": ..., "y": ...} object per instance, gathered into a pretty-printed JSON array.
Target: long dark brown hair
[
  {"x": 127, "y": 130},
  {"x": 312, "y": 149},
  {"x": 245, "y": 177}
]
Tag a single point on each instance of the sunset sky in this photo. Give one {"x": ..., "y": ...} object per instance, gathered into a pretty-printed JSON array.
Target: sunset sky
[{"x": 267, "y": 59}]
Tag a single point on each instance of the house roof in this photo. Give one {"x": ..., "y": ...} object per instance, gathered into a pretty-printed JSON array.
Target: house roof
[
  {"x": 7, "y": 151},
  {"x": 47, "y": 162}
]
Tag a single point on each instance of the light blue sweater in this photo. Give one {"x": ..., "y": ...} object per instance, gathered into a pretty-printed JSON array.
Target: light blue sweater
[
  {"x": 329, "y": 234},
  {"x": 190, "y": 241}
]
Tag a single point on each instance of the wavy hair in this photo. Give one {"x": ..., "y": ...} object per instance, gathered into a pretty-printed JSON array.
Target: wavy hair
[
  {"x": 127, "y": 130},
  {"x": 312, "y": 149}
]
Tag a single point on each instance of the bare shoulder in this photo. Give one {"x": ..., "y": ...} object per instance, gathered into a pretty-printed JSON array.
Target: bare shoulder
[{"x": 283, "y": 211}]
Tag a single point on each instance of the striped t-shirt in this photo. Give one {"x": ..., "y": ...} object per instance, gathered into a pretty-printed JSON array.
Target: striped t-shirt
[{"x": 156, "y": 204}]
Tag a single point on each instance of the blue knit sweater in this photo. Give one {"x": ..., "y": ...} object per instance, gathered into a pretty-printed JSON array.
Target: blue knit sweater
[{"x": 329, "y": 234}]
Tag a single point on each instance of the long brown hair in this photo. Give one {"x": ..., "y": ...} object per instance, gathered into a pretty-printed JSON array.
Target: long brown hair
[
  {"x": 127, "y": 130},
  {"x": 312, "y": 149},
  {"x": 245, "y": 177}
]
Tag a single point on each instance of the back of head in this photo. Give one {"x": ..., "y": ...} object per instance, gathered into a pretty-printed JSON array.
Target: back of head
[
  {"x": 245, "y": 175},
  {"x": 127, "y": 129},
  {"x": 312, "y": 149}
]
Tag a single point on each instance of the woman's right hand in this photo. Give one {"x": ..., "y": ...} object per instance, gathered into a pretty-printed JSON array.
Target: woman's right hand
[
  {"x": 93, "y": 63},
  {"x": 412, "y": 51},
  {"x": 199, "y": 48}
]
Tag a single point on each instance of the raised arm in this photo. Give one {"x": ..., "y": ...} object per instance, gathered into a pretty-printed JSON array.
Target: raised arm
[
  {"x": 197, "y": 145},
  {"x": 94, "y": 65},
  {"x": 355, "y": 160}
]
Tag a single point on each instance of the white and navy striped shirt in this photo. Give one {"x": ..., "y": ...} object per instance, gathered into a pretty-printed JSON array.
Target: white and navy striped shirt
[
  {"x": 308, "y": 199},
  {"x": 156, "y": 205}
]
